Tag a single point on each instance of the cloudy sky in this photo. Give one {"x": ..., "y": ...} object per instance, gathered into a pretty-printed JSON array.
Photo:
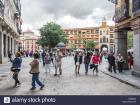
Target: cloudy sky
[{"x": 67, "y": 13}]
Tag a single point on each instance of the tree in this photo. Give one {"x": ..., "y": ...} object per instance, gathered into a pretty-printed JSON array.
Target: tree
[
  {"x": 51, "y": 35},
  {"x": 130, "y": 40},
  {"x": 89, "y": 44},
  {"x": 73, "y": 46}
]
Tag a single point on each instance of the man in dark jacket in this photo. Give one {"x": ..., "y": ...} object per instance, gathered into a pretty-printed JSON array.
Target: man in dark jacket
[
  {"x": 43, "y": 54},
  {"x": 111, "y": 61}
]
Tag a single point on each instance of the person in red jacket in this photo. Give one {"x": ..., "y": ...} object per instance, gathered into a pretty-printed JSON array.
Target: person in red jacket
[{"x": 95, "y": 61}]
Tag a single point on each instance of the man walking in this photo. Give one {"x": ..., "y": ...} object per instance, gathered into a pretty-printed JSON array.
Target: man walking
[
  {"x": 111, "y": 61},
  {"x": 58, "y": 62},
  {"x": 120, "y": 62},
  {"x": 43, "y": 58}
]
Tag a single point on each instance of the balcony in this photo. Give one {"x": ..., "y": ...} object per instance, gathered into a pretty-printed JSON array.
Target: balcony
[
  {"x": 122, "y": 12},
  {"x": 136, "y": 7},
  {"x": 1, "y": 9}
]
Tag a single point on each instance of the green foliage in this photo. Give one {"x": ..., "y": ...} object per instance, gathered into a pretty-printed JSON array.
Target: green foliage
[
  {"x": 130, "y": 40},
  {"x": 89, "y": 44},
  {"x": 51, "y": 35},
  {"x": 73, "y": 46}
]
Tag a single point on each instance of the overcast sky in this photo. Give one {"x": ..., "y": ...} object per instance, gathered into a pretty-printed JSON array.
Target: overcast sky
[{"x": 67, "y": 13}]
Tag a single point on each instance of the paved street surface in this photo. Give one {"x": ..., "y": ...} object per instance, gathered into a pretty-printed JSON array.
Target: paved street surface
[{"x": 67, "y": 84}]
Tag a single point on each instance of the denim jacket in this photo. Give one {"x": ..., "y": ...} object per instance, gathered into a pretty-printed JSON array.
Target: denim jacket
[{"x": 16, "y": 63}]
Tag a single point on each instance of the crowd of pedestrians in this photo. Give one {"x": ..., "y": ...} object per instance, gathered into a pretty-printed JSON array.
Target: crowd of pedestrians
[{"x": 91, "y": 60}]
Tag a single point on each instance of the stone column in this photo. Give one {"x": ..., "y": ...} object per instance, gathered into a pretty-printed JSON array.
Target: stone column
[
  {"x": 6, "y": 45},
  {"x": 136, "y": 47},
  {"x": 1, "y": 47},
  {"x": 121, "y": 45},
  {"x": 10, "y": 44}
]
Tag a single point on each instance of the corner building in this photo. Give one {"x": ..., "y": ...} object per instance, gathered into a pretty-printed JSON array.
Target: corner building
[
  {"x": 10, "y": 27},
  {"x": 127, "y": 18}
]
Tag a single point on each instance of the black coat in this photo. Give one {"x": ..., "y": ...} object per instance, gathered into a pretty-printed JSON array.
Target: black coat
[
  {"x": 80, "y": 60},
  {"x": 111, "y": 59}
]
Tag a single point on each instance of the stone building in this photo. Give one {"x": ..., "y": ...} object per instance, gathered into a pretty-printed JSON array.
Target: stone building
[
  {"x": 102, "y": 35},
  {"x": 10, "y": 27},
  {"x": 28, "y": 41},
  {"x": 127, "y": 18}
]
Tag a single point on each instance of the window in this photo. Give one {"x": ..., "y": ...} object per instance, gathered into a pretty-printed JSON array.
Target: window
[
  {"x": 104, "y": 39},
  {"x": 100, "y": 32},
  {"x": 83, "y": 33},
  {"x": 107, "y": 32},
  {"x": 111, "y": 41},
  {"x": 101, "y": 40},
  {"x": 92, "y": 31},
  {"x": 79, "y": 32},
  {"x": 97, "y": 31},
  {"x": 107, "y": 40},
  {"x": 111, "y": 35},
  {"x": 75, "y": 32},
  {"x": 111, "y": 29}
]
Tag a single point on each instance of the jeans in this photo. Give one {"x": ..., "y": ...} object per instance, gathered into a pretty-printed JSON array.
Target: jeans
[
  {"x": 95, "y": 68},
  {"x": 35, "y": 78},
  {"x": 110, "y": 68},
  {"x": 86, "y": 67},
  {"x": 15, "y": 77},
  {"x": 58, "y": 66}
]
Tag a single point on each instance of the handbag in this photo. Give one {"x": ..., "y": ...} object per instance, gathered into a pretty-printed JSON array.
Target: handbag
[
  {"x": 92, "y": 66},
  {"x": 13, "y": 69}
]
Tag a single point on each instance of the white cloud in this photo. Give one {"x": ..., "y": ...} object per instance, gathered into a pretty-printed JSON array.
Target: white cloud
[{"x": 67, "y": 13}]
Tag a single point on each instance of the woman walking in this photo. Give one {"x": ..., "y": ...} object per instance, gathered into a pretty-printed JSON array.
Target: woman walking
[
  {"x": 130, "y": 60},
  {"x": 47, "y": 62},
  {"x": 78, "y": 62},
  {"x": 95, "y": 62},
  {"x": 86, "y": 62},
  {"x": 35, "y": 72},
  {"x": 16, "y": 67}
]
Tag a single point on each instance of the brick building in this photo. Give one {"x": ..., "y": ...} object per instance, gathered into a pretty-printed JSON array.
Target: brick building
[
  {"x": 28, "y": 41},
  {"x": 103, "y": 36}
]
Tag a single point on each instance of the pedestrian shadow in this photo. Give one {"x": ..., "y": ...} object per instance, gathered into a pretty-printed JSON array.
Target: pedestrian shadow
[
  {"x": 33, "y": 92},
  {"x": 11, "y": 90}
]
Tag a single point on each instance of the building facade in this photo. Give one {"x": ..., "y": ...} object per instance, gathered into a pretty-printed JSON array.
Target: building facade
[
  {"x": 28, "y": 41},
  {"x": 103, "y": 36},
  {"x": 10, "y": 27},
  {"x": 127, "y": 18}
]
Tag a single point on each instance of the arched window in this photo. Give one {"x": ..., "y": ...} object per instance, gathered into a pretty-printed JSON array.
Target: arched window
[{"x": 104, "y": 39}]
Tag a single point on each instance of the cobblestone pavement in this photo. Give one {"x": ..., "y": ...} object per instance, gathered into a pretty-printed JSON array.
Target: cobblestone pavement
[{"x": 67, "y": 84}]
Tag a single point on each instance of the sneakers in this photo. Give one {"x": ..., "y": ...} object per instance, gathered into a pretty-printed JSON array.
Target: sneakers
[
  {"x": 55, "y": 74},
  {"x": 17, "y": 84},
  {"x": 33, "y": 88},
  {"x": 41, "y": 88}
]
